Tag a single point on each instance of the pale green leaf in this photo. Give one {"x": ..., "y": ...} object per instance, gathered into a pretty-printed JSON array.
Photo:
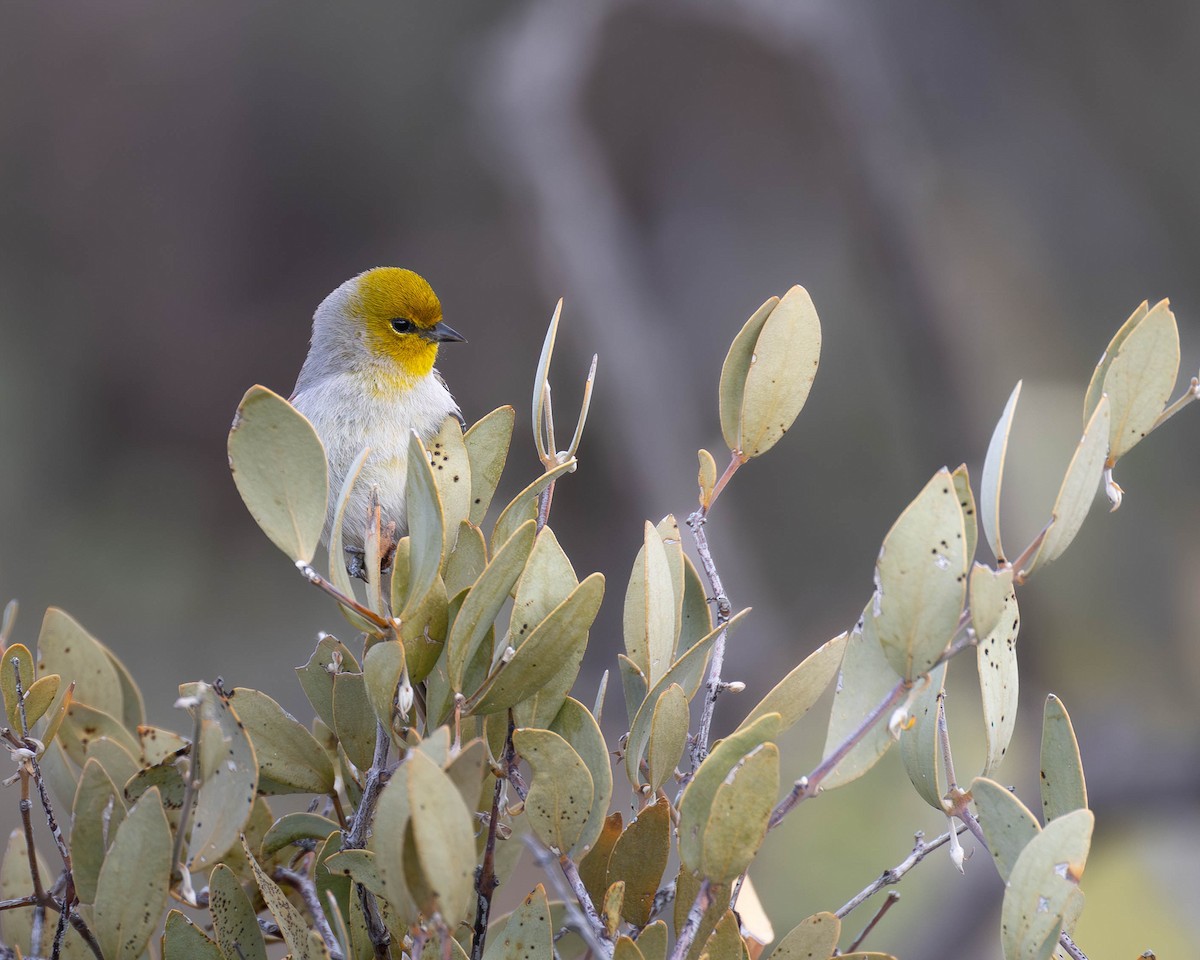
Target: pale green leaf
[
  {"x": 1140, "y": 378},
  {"x": 233, "y": 917},
  {"x": 921, "y": 579},
  {"x": 383, "y": 666},
  {"x": 338, "y": 575},
  {"x": 1062, "y": 781},
  {"x": 523, "y": 506},
  {"x": 527, "y": 934},
  {"x": 993, "y": 476},
  {"x": 487, "y": 448},
  {"x": 292, "y": 827},
  {"x": 354, "y": 720},
  {"x": 1096, "y": 387},
  {"x": 668, "y": 733},
  {"x": 95, "y": 815},
  {"x": 546, "y": 582},
  {"x": 741, "y": 809},
  {"x": 633, "y": 681},
  {"x": 466, "y": 562},
  {"x": 707, "y": 477},
  {"x": 966, "y": 502},
  {"x": 1043, "y": 886},
  {"x": 560, "y": 796},
  {"x": 131, "y": 891},
  {"x": 65, "y": 648},
  {"x": 650, "y": 603},
  {"x": 289, "y": 757},
  {"x": 814, "y": 937},
  {"x": 278, "y": 464},
  {"x": 426, "y": 525},
  {"x": 1006, "y": 821},
  {"x": 1078, "y": 489},
  {"x": 183, "y": 940},
  {"x": 302, "y": 942},
  {"x": 795, "y": 694},
  {"x": 9, "y": 672},
  {"x": 735, "y": 370},
  {"x": 382, "y": 869},
  {"x": 330, "y": 657},
  {"x": 919, "y": 743},
  {"x": 696, "y": 804},
  {"x": 230, "y": 778},
  {"x": 782, "y": 369},
  {"x": 864, "y": 681},
  {"x": 578, "y": 727},
  {"x": 452, "y": 474},
  {"x": 997, "y": 620}
]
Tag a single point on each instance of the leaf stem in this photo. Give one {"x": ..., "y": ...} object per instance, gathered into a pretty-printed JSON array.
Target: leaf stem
[
  {"x": 691, "y": 926},
  {"x": 891, "y": 900}
]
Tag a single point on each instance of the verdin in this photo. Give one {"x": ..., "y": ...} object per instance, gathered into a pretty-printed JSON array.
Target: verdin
[{"x": 368, "y": 380}]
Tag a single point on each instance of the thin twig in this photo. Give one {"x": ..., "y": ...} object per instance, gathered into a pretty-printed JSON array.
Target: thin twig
[
  {"x": 892, "y": 897},
  {"x": 60, "y": 933},
  {"x": 18, "y": 902},
  {"x": 691, "y": 926},
  {"x": 571, "y": 872},
  {"x": 325, "y": 586},
  {"x": 85, "y": 931},
  {"x": 356, "y": 838},
  {"x": 807, "y": 787},
  {"x": 591, "y": 931},
  {"x": 308, "y": 893},
  {"x": 486, "y": 881},
  {"x": 920, "y": 851},
  {"x": 1072, "y": 948},
  {"x": 734, "y": 464},
  {"x": 716, "y": 662}
]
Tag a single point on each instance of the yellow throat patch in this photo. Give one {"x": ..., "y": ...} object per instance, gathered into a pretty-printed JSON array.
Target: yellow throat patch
[{"x": 387, "y": 296}]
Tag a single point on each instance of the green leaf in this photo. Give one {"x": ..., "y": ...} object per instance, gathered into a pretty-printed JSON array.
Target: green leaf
[
  {"x": 696, "y": 807},
  {"x": 1140, "y": 378},
  {"x": 183, "y": 940},
  {"x": 527, "y": 934},
  {"x": 443, "y": 829},
  {"x": 668, "y": 733},
  {"x": 649, "y": 617},
  {"x": 1044, "y": 887},
  {"x": 652, "y": 941},
  {"x": 993, "y": 476},
  {"x": 1096, "y": 387},
  {"x": 362, "y": 866},
  {"x": 230, "y": 778},
  {"x": 132, "y": 889},
  {"x": 921, "y": 579},
  {"x": 735, "y": 370},
  {"x": 95, "y": 815},
  {"x": 426, "y": 524},
  {"x": 278, "y": 464},
  {"x": 547, "y": 581},
  {"x": 8, "y": 681},
  {"x": 117, "y": 761},
  {"x": 338, "y": 574},
  {"x": 1007, "y": 823},
  {"x": 863, "y": 682},
  {"x": 639, "y": 859},
  {"x": 295, "y": 826},
  {"x": 65, "y": 648},
  {"x": 40, "y": 697},
  {"x": 1078, "y": 489},
  {"x": 795, "y": 694},
  {"x": 354, "y": 720},
  {"x": 452, "y": 474},
  {"x": 919, "y": 744},
  {"x": 626, "y": 949},
  {"x": 290, "y": 760},
  {"x": 560, "y": 797},
  {"x": 576, "y": 725},
  {"x": 688, "y": 672},
  {"x": 966, "y": 503},
  {"x": 556, "y": 643},
  {"x": 466, "y": 562},
  {"x": 782, "y": 369},
  {"x": 1063, "y": 785},
  {"x": 159, "y": 743},
  {"x": 316, "y": 677},
  {"x": 815, "y": 936},
  {"x": 487, "y": 445},
  {"x": 741, "y": 809},
  {"x": 523, "y": 507},
  {"x": 302, "y": 942},
  {"x": 593, "y": 868},
  {"x": 997, "y": 619},
  {"x": 383, "y": 667},
  {"x": 707, "y": 477},
  {"x": 83, "y": 725},
  {"x": 383, "y": 872},
  {"x": 483, "y": 602},
  {"x": 695, "y": 614},
  {"x": 423, "y": 632},
  {"x": 633, "y": 681},
  {"x": 233, "y": 917}
]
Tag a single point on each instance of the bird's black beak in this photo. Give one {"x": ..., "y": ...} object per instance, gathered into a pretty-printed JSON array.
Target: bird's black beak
[{"x": 441, "y": 333}]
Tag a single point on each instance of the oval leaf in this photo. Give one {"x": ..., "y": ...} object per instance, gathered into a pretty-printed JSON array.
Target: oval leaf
[
  {"x": 1063, "y": 786},
  {"x": 443, "y": 829},
  {"x": 816, "y": 936},
  {"x": 578, "y": 727},
  {"x": 426, "y": 524},
  {"x": 921, "y": 579},
  {"x": 668, "y": 734},
  {"x": 741, "y": 809},
  {"x": 1096, "y": 386},
  {"x": 1141, "y": 377},
  {"x": 1006, "y": 821},
  {"x": 65, "y": 648},
  {"x": 782, "y": 369},
  {"x": 919, "y": 743},
  {"x": 639, "y": 859},
  {"x": 560, "y": 796},
  {"x": 795, "y": 694},
  {"x": 735, "y": 370},
  {"x": 132, "y": 889},
  {"x": 290, "y": 760},
  {"x": 452, "y": 474},
  {"x": 278, "y": 464},
  {"x": 487, "y": 445},
  {"x": 234, "y": 920}
]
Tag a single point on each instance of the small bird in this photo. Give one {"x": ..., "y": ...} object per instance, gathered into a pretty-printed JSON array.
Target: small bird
[{"x": 368, "y": 381}]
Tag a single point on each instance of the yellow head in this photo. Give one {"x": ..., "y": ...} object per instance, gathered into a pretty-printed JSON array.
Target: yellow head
[{"x": 385, "y": 325}]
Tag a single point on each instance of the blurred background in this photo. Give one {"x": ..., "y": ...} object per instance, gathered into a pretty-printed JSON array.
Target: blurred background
[{"x": 973, "y": 193}]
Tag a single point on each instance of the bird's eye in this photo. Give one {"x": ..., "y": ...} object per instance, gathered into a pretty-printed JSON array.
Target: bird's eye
[{"x": 401, "y": 325}]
